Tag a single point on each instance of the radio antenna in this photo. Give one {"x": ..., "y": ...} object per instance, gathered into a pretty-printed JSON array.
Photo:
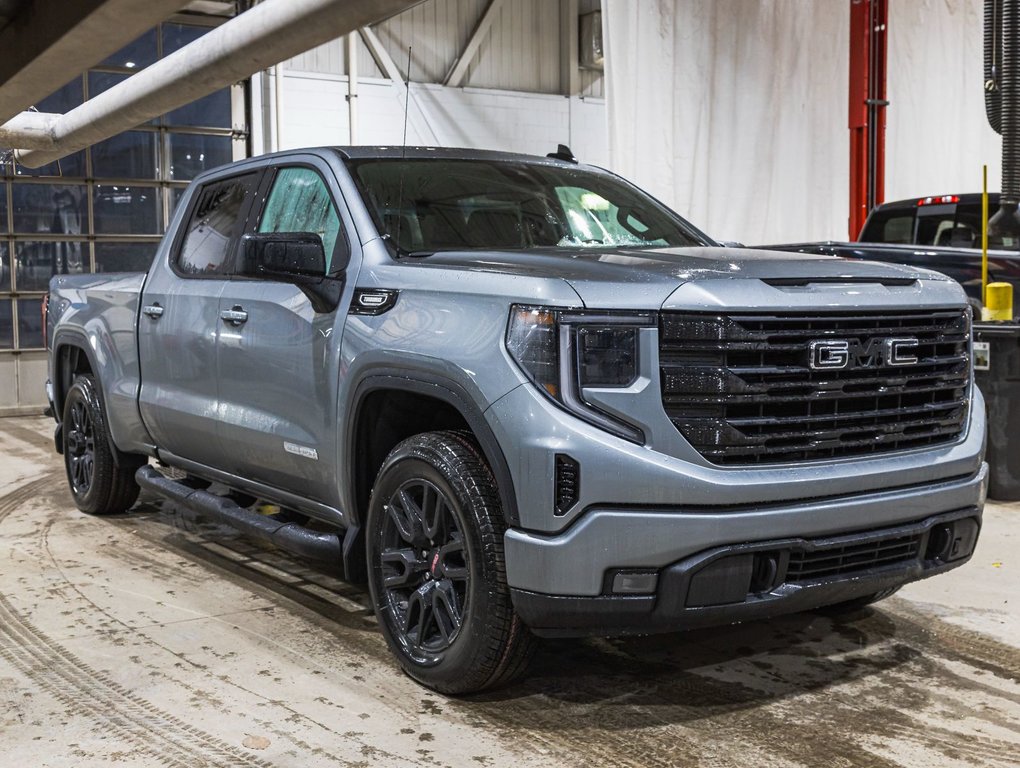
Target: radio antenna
[{"x": 403, "y": 151}]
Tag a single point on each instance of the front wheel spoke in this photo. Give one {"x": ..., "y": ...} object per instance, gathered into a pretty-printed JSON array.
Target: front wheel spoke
[
  {"x": 452, "y": 560},
  {"x": 446, "y": 609},
  {"x": 402, "y": 520},
  {"x": 432, "y": 507},
  {"x": 419, "y": 613},
  {"x": 408, "y": 565}
]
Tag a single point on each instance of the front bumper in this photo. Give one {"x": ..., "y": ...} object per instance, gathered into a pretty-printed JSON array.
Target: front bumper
[{"x": 743, "y": 582}]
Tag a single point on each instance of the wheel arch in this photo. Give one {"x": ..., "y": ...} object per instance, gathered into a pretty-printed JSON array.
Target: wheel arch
[
  {"x": 73, "y": 356},
  {"x": 362, "y": 466}
]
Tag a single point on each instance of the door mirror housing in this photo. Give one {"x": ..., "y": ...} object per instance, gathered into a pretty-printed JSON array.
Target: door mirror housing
[
  {"x": 284, "y": 256},
  {"x": 297, "y": 258}
]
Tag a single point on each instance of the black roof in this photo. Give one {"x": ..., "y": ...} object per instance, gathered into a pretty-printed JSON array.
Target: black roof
[
  {"x": 396, "y": 152},
  {"x": 966, "y": 198}
]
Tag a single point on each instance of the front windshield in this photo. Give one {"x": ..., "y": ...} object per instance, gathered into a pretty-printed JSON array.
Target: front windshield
[{"x": 440, "y": 205}]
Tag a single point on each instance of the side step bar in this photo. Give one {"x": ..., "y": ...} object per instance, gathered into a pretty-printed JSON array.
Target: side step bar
[{"x": 294, "y": 538}]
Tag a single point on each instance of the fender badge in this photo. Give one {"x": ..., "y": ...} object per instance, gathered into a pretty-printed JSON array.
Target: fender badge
[{"x": 301, "y": 450}]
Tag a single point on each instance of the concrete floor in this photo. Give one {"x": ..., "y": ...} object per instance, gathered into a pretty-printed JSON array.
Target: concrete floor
[{"x": 154, "y": 638}]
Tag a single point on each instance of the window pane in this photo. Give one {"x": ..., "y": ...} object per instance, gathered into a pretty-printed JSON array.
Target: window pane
[
  {"x": 30, "y": 324},
  {"x": 124, "y": 257},
  {"x": 191, "y": 154},
  {"x": 130, "y": 155},
  {"x": 176, "y": 36},
  {"x": 136, "y": 55},
  {"x": 59, "y": 209},
  {"x": 6, "y": 324},
  {"x": 5, "y": 269},
  {"x": 36, "y": 262},
  {"x": 215, "y": 223},
  {"x": 126, "y": 210},
  {"x": 3, "y": 207},
  {"x": 300, "y": 202},
  {"x": 212, "y": 111},
  {"x": 63, "y": 99}
]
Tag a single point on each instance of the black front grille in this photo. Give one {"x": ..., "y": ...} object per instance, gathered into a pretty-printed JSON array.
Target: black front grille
[
  {"x": 741, "y": 389},
  {"x": 849, "y": 558}
]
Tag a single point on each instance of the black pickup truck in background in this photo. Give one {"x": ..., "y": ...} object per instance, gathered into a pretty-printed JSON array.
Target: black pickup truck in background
[{"x": 942, "y": 232}]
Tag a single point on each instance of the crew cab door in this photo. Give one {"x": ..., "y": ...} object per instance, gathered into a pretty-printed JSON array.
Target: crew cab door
[
  {"x": 278, "y": 357},
  {"x": 179, "y": 324}
]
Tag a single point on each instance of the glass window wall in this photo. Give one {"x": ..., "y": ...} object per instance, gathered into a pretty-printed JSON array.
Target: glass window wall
[{"x": 104, "y": 209}]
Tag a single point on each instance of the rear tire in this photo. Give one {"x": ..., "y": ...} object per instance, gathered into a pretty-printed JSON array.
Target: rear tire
[
  {"x": 434, "y": 541},
  {"x": 99, "y": 484}
]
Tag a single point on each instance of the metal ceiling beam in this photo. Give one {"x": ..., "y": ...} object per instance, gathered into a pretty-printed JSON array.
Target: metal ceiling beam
[
  {"x": 456, "y": 74},
  {"x": 47, "y": 43},
  {"x": 270, "y": 32}
]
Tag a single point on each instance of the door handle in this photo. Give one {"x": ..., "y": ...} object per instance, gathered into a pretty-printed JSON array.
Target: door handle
[
  {"x": 155, "y": 311},
  {"x": 235, "y": 316}
]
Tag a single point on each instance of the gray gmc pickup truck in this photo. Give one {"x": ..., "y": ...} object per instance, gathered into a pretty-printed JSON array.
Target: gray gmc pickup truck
[{"x": 520, "y": 397}]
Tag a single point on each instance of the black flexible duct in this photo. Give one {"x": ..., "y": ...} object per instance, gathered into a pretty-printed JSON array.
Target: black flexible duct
[
  {"x": 993, "y": 63},
  {"x": 1006, "y": 223}
]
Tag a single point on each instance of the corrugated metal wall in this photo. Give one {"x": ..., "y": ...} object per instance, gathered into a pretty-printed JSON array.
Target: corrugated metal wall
[{"x": 520, "y": 52}]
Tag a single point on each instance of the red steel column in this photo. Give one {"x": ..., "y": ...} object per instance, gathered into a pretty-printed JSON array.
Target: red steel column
[{"x": 867, "y": 103}]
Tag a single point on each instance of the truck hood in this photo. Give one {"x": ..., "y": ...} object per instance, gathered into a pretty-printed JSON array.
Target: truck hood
[{"x": 645, "y": 279}]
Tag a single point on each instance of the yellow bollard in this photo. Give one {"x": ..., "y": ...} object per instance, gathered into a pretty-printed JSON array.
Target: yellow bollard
[{"x": 998, "y": 302}]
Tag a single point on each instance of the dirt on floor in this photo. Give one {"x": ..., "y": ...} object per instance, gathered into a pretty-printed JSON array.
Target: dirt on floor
[{"x": 157, "y": 638}]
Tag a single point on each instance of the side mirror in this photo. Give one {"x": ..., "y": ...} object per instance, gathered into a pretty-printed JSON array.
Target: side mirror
[
  {"x": 297, "y": 258},
  {"x": 293, "y": 257}
]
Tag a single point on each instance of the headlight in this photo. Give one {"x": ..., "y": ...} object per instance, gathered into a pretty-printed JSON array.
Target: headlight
[{"x": 565, "y": 352}]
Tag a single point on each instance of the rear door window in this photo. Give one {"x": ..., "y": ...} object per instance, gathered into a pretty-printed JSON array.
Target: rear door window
[
  {"x": 300, "y": 202},
  {"x": 216, "y": 223}
]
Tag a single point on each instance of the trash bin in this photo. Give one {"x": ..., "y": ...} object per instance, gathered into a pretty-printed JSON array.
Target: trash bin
[{"x": 997, "y": 373}]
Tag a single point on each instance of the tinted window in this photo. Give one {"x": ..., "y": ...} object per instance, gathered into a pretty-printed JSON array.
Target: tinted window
[
  {"x": 215, "y": 224},
  {"x": 431, "y": 205},
  {"x": 894, "y": 226},
  {"x": 300, "y": 202}
]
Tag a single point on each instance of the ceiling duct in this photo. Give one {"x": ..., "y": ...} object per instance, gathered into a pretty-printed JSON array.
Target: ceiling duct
[{"x": 270, "y": 32}]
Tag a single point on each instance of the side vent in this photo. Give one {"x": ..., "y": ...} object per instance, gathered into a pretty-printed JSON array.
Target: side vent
[{"x": 568, "y": 483}]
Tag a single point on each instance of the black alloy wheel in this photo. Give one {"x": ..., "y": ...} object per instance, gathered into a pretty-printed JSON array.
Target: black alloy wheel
[
  {"x": 102, "y": 479},
  {"x": 436, "y": 571},
  {"x": 425, "y": 569},
  {"x": 81, "y": 448}
]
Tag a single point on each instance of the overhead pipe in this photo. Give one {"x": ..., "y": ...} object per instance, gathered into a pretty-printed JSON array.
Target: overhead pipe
[
  {"x": 46, "y": 43},
  {"x": 29, "y": 130},
  {"x": 270, "y": 32}
]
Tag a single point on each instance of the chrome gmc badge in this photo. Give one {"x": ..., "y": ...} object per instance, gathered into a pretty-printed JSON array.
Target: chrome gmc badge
[{"x": 836, "y": 354}]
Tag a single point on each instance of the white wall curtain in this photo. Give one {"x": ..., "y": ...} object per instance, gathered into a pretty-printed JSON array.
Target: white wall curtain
[
  {"x": 734, "y": 112},
  {"x": 937, "y": 137}
]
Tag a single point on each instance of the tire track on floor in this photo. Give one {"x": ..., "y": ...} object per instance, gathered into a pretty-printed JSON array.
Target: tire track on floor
[
  {"x": 13, "y": 500},
  {"x": 93, "y": 694}
]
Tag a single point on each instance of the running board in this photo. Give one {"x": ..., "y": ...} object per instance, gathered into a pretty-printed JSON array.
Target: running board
[{"x": 296, "y": 539}]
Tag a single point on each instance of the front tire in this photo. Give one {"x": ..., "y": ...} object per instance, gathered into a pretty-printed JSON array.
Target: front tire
[
  {"x": 99, "y": 484},
  {"x": 436, "y": 570}
]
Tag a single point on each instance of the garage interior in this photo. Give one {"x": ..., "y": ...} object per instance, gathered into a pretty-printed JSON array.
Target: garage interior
[{"x": 159, "y": 637}]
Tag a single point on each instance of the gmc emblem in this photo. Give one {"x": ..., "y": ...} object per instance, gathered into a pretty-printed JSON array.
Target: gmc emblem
[{"x": 836, "y": 354}]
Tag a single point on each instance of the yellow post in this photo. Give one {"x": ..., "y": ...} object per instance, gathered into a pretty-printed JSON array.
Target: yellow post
[
  {"x": 1000, "y": 302},
  {"x": 984, "y": 235}
]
